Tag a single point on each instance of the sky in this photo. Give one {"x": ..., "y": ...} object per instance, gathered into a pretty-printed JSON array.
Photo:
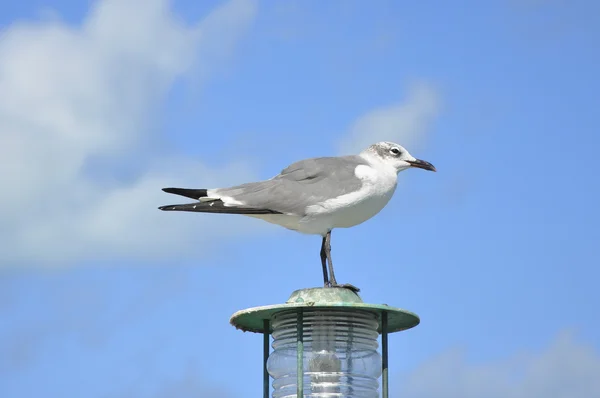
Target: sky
[{"x": 103, "y": 103}]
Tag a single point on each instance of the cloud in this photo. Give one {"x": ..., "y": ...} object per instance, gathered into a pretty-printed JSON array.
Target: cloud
[
  {"x": 566, "y": 368},
  {"x": 75, "y": 97},
  {"x": 404, "y": 123}
]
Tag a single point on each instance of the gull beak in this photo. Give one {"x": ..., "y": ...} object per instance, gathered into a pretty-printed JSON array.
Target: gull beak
[{"x": 421, "y": 164}]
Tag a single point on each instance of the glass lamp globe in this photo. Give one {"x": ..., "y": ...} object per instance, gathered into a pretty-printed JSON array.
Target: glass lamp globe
[{"x": 340, "y": 357}]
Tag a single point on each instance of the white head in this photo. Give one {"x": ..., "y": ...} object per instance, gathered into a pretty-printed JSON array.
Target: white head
[{"x": 396, "y": 156}]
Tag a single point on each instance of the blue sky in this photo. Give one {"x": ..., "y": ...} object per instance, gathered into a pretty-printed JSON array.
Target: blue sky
[{"x": 103, "y": 103}]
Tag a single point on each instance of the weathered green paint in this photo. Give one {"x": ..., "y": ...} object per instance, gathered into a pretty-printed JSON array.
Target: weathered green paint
[
  {"x": 266, "y": 338},
  {"x": 300, "y": 355},
  {"x": 252, "y": 319},
  {"x": 384, "y": 355}
]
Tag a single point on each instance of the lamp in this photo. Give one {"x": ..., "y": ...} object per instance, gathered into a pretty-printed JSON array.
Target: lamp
[{"x": 325, "y": 343}]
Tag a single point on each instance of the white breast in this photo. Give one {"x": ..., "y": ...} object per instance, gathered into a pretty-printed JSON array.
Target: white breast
[{"x": 379, "y": 184}]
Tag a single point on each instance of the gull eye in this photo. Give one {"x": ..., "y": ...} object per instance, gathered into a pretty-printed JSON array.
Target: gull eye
[{"x": 395, "y": 151}]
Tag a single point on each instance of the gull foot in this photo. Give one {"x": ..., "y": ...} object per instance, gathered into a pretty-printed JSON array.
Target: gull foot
[{"x": 347, "y": 286}]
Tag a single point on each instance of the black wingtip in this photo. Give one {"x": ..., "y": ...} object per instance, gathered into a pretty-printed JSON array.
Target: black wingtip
[
  {"x": 216, "y": 206},
  {"x": 188, "y": 193}
]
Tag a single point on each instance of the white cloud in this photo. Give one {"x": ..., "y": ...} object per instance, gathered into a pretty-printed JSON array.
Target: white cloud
[
  {"x": 75, "y": 95},
  {"x": 566, "y": 369},
  {"x": 403, "y": 123}
]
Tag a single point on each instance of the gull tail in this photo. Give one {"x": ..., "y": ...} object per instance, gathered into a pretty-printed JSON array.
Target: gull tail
[
  {"x": 209, "y": 204},
  {"x": 216, "y": 206}
]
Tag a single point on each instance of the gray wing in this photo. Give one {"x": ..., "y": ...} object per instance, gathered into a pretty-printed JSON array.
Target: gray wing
[{"x": 302, "y": 184}]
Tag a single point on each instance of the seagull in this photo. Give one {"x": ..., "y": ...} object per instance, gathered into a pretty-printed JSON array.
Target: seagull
[{"x": 314, "y": 196}]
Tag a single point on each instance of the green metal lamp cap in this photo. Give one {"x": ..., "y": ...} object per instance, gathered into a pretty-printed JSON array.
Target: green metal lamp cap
[{"x": 252, "y": 319}]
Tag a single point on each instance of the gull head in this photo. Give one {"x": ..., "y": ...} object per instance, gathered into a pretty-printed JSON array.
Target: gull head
[{"x": 396, "y": 156}]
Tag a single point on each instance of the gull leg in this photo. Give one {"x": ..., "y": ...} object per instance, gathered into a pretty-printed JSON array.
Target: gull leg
[
  {"x": 327, "y": 244},
  {"x": 332, "y": 281},
  {"x": 324, "y": 264}
]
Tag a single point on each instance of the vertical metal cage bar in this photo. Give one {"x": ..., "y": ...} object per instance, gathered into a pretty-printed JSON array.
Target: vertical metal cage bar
[
  {"x": 300, "y": 356},
  {"x": 266, "y": 334},
  {"x": 384, "y": 354}
]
